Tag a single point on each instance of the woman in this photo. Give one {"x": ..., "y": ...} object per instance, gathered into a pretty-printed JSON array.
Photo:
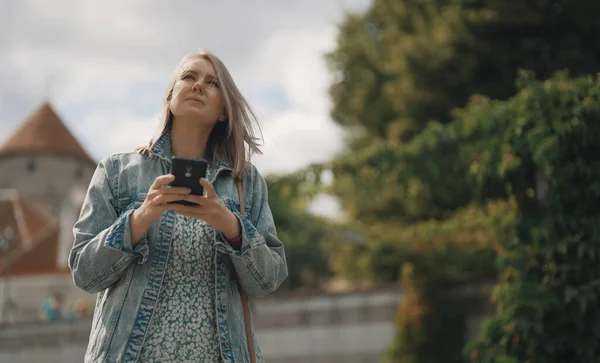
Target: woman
[{"x": 171, "y": 278}]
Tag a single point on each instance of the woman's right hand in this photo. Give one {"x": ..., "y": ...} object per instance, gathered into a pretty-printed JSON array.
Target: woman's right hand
[{"x": 157, "y": 201}]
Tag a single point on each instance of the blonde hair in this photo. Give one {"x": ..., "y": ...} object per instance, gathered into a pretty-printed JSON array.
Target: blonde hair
[{"x": 228, "y": 140}]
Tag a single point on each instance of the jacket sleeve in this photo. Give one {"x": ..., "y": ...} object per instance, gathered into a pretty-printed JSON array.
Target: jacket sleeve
[
  {"x": 260, "y": 263},
  {"x": 102, "y": 247}
]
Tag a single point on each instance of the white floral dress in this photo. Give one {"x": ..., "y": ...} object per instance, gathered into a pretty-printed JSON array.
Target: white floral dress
[{"x": 183, "y": 326}]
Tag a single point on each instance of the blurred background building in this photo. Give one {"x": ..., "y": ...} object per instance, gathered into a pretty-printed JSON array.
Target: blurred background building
[{"x": 44, "y": 172}]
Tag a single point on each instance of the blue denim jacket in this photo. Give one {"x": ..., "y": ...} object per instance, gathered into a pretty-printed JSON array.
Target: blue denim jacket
[{"x": 128, "y": 279}]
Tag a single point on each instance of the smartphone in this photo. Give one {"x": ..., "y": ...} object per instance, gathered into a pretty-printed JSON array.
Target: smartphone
[{"x": 187, "y": 174}]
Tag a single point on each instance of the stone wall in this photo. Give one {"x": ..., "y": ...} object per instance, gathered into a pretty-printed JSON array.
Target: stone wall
[
  {"x": 28, "y": 293},
  {"x": 355, "y": 327},
  {"x": 292, "y": 328},
  {"x": 44, "y": 180},
  {"x": 56, "y": 342}
]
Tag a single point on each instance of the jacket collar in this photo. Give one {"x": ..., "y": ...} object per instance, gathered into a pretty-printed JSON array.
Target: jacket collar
[{"x": 162, "y": 149}]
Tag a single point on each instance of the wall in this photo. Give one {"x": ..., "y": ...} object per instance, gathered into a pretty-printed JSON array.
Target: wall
[
  {"x": 56, "y": 342},
  {"x": 354, "y": 327},
  {"x": 317, "y": 328},
  {"x": 49, "y": 183},
  {"x": 29, "y": 291}
]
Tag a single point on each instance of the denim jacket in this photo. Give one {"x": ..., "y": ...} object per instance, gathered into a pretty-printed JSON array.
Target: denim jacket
[{"x": 128, "y": 278}]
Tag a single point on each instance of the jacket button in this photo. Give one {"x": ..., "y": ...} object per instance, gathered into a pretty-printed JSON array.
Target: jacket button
[
  {"x": 223, "y": 266},
  {"x": 227, "y": 344}
]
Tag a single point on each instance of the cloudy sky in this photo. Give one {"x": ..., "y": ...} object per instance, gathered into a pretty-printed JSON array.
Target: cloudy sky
[{"x": 104, "y": 66}]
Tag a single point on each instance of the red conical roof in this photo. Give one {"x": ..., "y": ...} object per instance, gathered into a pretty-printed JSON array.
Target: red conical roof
[{"x": 44, "y": 132}]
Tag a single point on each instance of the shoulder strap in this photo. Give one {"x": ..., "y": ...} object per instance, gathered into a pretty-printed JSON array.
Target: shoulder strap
[{"x": 243, "y": 294}]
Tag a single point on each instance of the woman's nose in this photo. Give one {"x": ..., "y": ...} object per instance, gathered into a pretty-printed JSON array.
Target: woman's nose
[{"x": 197, "y": 87}]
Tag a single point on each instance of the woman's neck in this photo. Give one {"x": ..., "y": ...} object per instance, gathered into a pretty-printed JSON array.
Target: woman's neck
[{"x": 188, "y": 141}]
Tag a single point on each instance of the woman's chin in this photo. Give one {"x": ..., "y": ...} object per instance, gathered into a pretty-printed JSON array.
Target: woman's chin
[{"x": 195, "y": 115}]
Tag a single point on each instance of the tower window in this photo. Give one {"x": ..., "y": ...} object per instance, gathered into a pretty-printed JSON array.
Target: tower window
[{"x": 31, "y": 166}]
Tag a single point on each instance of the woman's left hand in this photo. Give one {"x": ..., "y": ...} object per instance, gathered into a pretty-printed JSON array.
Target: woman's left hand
[{"x": 212, "y": 210}]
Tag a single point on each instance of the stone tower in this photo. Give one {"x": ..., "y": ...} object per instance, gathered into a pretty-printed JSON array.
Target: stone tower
[
  {"x": 44, "y": 162},
  {"x": 44, "y": 174}
]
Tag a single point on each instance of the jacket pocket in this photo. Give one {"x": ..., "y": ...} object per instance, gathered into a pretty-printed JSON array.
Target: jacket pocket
[{"x": 109, "y": 307}]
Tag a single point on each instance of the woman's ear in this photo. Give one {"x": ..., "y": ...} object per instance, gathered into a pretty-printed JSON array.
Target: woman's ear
[{"x": 223, "y": 117}]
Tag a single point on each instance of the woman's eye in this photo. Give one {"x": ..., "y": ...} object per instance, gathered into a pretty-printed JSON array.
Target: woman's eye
[
  {"x": 188, "y": 76},
  {"x": 213, "y": 83}
]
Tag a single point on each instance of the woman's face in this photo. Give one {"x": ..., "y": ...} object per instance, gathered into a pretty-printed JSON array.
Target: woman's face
[{"x": 196, "y": 94}]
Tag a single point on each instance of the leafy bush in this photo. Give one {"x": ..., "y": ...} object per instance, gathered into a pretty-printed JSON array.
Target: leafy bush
[{"x": 548, "y": 294}]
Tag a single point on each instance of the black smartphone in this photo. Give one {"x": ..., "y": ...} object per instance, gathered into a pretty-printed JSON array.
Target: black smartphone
[{"x": 187, "y": 174}]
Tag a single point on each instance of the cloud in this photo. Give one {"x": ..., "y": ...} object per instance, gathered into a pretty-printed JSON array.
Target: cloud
[
  {"x": 104, "y": 65},
  {"x": 303, "y": 133},
  {"x": 297, "y": 139},
  {"x": 128, "y": 131}
]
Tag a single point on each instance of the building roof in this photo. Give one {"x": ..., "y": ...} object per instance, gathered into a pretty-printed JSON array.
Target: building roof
[
  {"x": 34, "y": 239},
  {"x": 44, "y": 132}
]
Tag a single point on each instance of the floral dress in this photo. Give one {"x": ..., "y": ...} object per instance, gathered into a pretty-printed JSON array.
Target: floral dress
[{"x": 183, "y": 326}]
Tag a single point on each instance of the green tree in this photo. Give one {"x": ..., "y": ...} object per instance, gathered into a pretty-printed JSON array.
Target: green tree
[
  {"x": 405, "y": 65},
  {"x": 547, "y": 298},
  {"x": 416, "y": 159},
  {"x": 304, "y": 235}
]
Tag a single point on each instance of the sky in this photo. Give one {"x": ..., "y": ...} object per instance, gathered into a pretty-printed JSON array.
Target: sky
[{"x": 104, "y": 66}]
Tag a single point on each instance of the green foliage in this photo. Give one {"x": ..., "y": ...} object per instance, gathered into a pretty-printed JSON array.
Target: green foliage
[
  {"x": 400, "y": 70},
  {"x": 432, "y": 258},
  {"x": 450, "y": 251},
  {"x": 304, "y": 235},
  {"x": 405, "y": 63},
  {"x": 432, "y": 189},
  {"x": 429, "y": 177},
  {"x": 423, "y": 180},
  {"x": 548, "y": 295},
  {"x": 430, "y": 325}
]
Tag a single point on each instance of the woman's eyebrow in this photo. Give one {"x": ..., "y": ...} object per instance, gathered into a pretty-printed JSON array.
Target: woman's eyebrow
[{"x": 194, "y": 72}]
